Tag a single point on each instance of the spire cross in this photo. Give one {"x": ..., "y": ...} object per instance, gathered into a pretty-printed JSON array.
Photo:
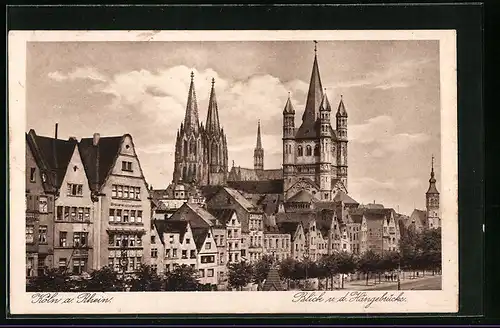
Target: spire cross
[
  {"x": 213, "y": 82},
  {"x": 192, "y": 75},
  {"x": 432, "y": 163},
  {"x": 315, "y": 46}
]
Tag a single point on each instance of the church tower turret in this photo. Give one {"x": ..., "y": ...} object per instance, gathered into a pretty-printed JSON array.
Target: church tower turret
[
  {"x": 288, "y": 143},
  {"x": 342, "y": 142},
  {"x": 258, "y": 153},
  {"x": 432, "y": 202},
  {"x": 324, "y": 149}
]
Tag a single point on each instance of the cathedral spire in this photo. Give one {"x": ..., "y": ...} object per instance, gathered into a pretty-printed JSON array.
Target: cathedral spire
[
  {"x": 288, "y": 106},
  {"x": 432, "y": 181},
  {"x": 315, "y": 93},
  {"x": 341, "y": 112},
  {"x": 213, "y": 125},
  {"x": 191, "y": 121},
  {"x": 259, "y": 140}
]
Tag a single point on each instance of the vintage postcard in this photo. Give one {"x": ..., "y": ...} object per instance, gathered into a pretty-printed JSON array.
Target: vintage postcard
[{"x": 171, "y": 172}]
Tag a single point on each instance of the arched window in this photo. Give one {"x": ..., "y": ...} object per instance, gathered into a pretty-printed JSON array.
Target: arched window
[
  {"x": 316, "y": 150},
  {"x": 300, "y": 151},
  {"x": 185, "y": 148},
  {"x": 184, "y": 173},
  {"x": 308, "y": 150},
  {"x": 192, "y": 147}
]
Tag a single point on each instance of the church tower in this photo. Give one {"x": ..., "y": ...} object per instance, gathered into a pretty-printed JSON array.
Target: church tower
[
  {"x": 188, "y": 163},
  {"x": 432, "y": 202},
  {"x": 288, "y": 144},
  {"x": 324, "y": 149},
  {"x": 258, "y": 153},
  {"x": 215, "y": 145},
  {"x": 342, "y": 142}
]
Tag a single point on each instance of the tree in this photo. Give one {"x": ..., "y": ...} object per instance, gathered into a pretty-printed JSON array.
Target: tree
[
  {"x": 323, "y": 270},
  {"x": 104, "y": 280},
  {"x": 261, "y": 269},
  {"x": 147, "y": 280},
  {"x": 368, "y": 262},
  {"x": 287, "y": 270},
  {"x": 240, "y": 274},
  {"x": 182, "y": 278},
  {"x": 330, "y": 266},
  {"x": 429, "y": 248},
  {"x": 345, "y": 264},
  {"x": 52, "y": 280}
]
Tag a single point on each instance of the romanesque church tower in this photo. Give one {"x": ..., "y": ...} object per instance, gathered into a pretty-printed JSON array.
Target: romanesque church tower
[
  {"x": 432, "y": 202},
  {"x": 200, "y": 152},
  {"x": 315, "y": 155}
]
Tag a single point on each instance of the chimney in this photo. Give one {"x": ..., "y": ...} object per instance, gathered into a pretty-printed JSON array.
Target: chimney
[
  {"x": 55, "y": 134},
  {"x": 95, "y": 141}
]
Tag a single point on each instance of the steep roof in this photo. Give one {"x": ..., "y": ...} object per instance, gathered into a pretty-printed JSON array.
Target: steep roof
[
  {"x": 343, "y": 197},
  {"x": 240, "y": 199},
  {"x": 303, "y": 217},
  {"x": 191, "y": 121},
  {"x": 199, "y": 236},
  {"x": 356, "y": 217},
  {"x": 270, "y": 174},
  {"x": 207, "y": 219},
  {"x": 258, "y": 145},
  {"x": 212, "y": 126},
  {"x": 270, "y": 203},
  {"x": 420, "y": 215},
  {"x": 303, "y": 196},
  {"x": 258, "y": 187},
  {"x": 341, "y": 112},
  {"x": 288, "y": 107},
  {"x": 99, "y": 160},
  {"x": 288, "y": 227},
  {"x": 171, "y": 226},
  {"x": 243, "y": 174},
  {"x": 273, "y": 281},
  {"x": 222, "y": 215},
  {"x": 56, "y": 154},
  {"x": 314, "y": 96}
]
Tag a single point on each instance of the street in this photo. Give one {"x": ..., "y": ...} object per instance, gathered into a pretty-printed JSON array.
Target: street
[{"x": 426, "y": 283}]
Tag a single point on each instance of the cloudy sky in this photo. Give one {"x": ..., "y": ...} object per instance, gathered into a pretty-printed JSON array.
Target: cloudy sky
[{"x": 390, "y": 89}]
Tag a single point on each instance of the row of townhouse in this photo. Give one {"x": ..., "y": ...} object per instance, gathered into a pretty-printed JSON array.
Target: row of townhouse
[{"x": 88, "y": 204}]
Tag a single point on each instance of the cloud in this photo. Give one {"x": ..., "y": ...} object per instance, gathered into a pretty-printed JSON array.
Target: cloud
[
  {"x": 378, "y": 135},
  {"x": 84, "y": 73},
  {"x": 391, "y": 76}
]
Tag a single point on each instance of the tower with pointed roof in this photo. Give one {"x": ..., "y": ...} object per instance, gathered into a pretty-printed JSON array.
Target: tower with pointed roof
[
  {"x": 200, "y": 151},
  {"x": 432, "y": 201},
  {"x": 314, "y": 154},
  {"x": 258, "y": 153}
]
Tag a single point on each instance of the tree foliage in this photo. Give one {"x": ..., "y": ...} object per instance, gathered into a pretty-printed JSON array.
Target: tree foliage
[
  {"x": 240, "y": 274},
  {"x": 261, "y": 269},
  {"x": 147, "y": 279},
  {"x": 182, "y": 278}
]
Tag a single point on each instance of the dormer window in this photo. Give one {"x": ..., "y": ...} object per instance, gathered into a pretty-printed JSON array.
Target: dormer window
[
  {"x": 32, "y": 174},
  {"x": 127, "y": 166}
]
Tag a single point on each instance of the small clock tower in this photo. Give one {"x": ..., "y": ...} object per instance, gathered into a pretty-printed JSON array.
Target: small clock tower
[{"x": 432, "y": 202}]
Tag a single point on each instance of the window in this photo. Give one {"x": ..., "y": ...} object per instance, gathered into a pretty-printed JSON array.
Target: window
[
  {"x": 167, "y": 253},
  {"x": 208, "y": 259},
  {"x": 137, "y": 192},
  {"x": 125, "y": 215},
  {"x": 243, "y": 253},
  {"x": 118, "y": 217},
  {"x": 66, "y": 213},
  {"x": 139, "y": 216},
  {"x": 111, "y": 215},
  {"x": 80, "y": 239},
  {"x": 79, "y": 266},
  {"x": 210, "y": 272},
  {"x": 184, "y": 254},
  {"x": 125, "y": 191},
  {"x": 300, "y": 151},
  {"x": 75, "y": 189},
  {"x": 120, "y": 191},
  {"x": 174, "y": 252},
  {"x": 30, "y": 234},
  {"x": 316, "y": 150},
  {"x": 154, "y": 268},
  {"x": 32, "y": 174},
  {"x": 80, "y": 214},
  {"x": 192, "y": 254},
  {"x": 308, "y": 150},
  {"x": 62, "y": 263},
  {"x": 126, "y": 166},
  {"x": 167, "y": 268},
  {"x": 42, "y": 204},
  {"x": 154, "y": 252},
  {"x": 171, "y": 239},
  {"x": 63, "y": 236},
  {"x": 201, "y": 272},
  {"x": 113, "y": 191},
  {"x": 236, "y": 256},
  {"x": 73, "y": 213},
  {"x": 208, "y": 245},
  {"x": 59, "y": 213},
  {"x": 153, "y": 239},
  {"x": 42, "y": 234}
]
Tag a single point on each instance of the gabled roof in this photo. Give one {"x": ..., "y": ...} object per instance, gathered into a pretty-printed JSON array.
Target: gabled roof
[
  {"x": 271, "y": 174},
  {"x": 303, "y": 217},
  {"x": 303, "y": 196},
  {"x": 199, "y": 236},
  {"x": 343, "y": 197},
  {"x": 356, "y": 218},
  {"x": 314, "y": 95},
  {"x": 205, "y": 219},
  {"x": 222, "y": 215},
  {"x": 99, "y": 160},
  {"x": 270, "y": 203},
  {"x": 240, "y": 199},
  {"x": 288, "y": 107},
  {"x": 258, "y": 187},
  {"x": 288, "y": 227},
  {"x": 420, "y": 215},
  {"x": 209, "y": 191},
  {"x": 324, "y": 220},
  {"x": 341, "y": 112},
  {"x": 171, "y": 226},
  {"x": 55, "y": 154},
  {"x": 243, "y": 174}
]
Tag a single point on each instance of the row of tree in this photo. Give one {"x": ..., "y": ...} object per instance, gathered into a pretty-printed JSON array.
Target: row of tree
[{"x": 418, "y": 252}]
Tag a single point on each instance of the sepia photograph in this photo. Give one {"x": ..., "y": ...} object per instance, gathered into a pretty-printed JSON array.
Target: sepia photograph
[{"x": 313, "y": 165}]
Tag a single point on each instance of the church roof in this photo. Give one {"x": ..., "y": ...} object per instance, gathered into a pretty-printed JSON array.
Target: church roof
[
  {"x": 341, "y": 109},
  {"x": 273, "y": 281},
  {"x": 325, "y": 104},
  {"x": 343, "y": 197},
  {"x": 288, "y": 107},
  {"x": 419, "y": 215},
  {"x": 314, "y": 96},
  {"x": 258, "y": 187},
  {"x": 270, "y": 174},
  {"x": 303, "y": 196},
  {"x": 259, "y": 139}
]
